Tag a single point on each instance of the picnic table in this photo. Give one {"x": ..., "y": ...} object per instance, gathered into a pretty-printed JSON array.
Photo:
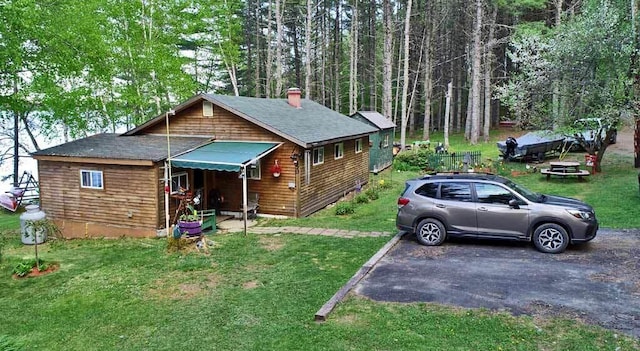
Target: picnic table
[{"x": 565, "y": 169}]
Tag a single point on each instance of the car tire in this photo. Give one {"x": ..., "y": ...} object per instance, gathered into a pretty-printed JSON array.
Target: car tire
[
  {"x": 431, "y": 232},
  {"x": 550, "y": 238}
]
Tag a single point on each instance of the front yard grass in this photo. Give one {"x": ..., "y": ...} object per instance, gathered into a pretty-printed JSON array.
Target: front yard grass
[{"x": 250, "y": 293}]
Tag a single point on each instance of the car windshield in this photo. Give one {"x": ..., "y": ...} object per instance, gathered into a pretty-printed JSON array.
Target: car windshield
[{"x": 530, "y": 195}]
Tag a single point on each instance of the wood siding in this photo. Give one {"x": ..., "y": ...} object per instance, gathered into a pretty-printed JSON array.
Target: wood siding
[
  {"x": 334, "y": 178},
  {"x": 126, "y": 202},
  {"x": 223, "y": 125},
  {"x": 275, "y": 196}
]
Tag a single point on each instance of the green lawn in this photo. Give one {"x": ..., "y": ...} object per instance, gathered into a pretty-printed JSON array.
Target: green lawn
[
  {"x": 261, "y": 292},
  {"x": 250, "y": 293}
]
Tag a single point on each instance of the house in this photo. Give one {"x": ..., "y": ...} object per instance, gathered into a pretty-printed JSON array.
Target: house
[
  {"x": 293, "y": 156},
  {"x": 381, "y": 142}
]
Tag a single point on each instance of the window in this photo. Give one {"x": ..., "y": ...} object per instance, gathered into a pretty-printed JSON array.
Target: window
[
  {"x": 254, "y": 171},
  {"x": 179, "y": 180},
  {"x": 318, "y": 156},
  {"x": 455, "y": 191},
  {"x": 386, "y": 141},
  {"x": 207, "y": 109},
  {"x": 492, "y": 194},
  {"x": 338, "y": 150},
  {"x": 91, "y": 179},
  {"x": 428, "y": 190},
  {"x": 358, "y": 146}
]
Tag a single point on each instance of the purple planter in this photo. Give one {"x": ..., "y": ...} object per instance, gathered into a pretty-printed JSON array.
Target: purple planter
[{"x": 190, "y": 228}]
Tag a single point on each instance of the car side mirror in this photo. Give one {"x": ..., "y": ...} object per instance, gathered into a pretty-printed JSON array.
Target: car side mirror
[{"x": 514, "y": 203}]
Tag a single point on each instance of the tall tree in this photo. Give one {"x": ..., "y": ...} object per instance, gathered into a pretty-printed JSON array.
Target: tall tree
[
  {"x": 386, "y": 59},
  {"x": 405, "y": 76}
]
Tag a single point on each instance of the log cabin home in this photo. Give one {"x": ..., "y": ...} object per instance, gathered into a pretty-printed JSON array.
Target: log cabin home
[{"x": 289, "y": 156}]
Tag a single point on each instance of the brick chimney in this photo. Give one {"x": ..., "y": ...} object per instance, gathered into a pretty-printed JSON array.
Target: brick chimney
[{"x": 293, "y": 97}]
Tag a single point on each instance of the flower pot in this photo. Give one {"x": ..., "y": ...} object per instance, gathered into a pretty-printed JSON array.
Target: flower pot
[{"x": 190, "y": 228}]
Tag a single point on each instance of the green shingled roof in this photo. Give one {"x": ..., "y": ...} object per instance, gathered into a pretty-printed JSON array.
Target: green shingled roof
[
  {"x": 115, "y": 146},
  {"x": 311, "y": 124}
]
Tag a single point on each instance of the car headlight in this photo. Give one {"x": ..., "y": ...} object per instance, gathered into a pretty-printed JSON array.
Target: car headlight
[{"x": 579, "y": 214}]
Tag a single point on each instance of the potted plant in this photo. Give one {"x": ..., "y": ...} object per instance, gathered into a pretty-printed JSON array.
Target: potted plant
[{"x": 189, "y": 222}]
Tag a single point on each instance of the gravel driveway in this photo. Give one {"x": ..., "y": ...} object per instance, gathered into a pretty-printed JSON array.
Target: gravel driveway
[{"x": 597, "y": 282}]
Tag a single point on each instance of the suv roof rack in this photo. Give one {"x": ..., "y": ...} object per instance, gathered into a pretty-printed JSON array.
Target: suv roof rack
[{"x": 456, "y": 174}]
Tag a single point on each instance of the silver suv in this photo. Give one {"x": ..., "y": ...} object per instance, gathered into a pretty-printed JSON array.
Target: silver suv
[{"x": 489, "y": 206}]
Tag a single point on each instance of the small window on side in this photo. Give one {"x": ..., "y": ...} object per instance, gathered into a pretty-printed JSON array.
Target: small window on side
[
  {"x": 358, "y": 146},
  {"x": 318, "y": 156},
  {"x": 254, "y": 171},
  {"x": 207, "y": 109},
  {"x": 338, "y": 150},
  {"x": 179, "y": 180},
  {"x": 91, "y": 179}
]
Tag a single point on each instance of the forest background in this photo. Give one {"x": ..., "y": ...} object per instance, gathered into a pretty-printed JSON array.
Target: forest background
[{"x": 74, "y": 68}]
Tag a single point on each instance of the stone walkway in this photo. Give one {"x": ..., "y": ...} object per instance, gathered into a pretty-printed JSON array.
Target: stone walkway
[
  {"x": 342, "y": 233},
  {"x": 234, "y": 226}
]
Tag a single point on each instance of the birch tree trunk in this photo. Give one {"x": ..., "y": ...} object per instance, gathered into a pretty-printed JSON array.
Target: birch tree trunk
[
  {"x": 488, "y": 61},
  {"x": 268, "y": 63},
  {"x": 405, "y": 77},
  {"x": 635, "y": 75},
  {"x": 279, "y": 36},
  {"x": 555, "y": 98},
  {"x": 387, "y": 69},
  {"x": 353, "y": 62},
  {"x": 336, "y": 58},
  {"x": 476, "y": 74},
  {"x": 458, "y": 116},
  {"x": 447, "y": 114},
  {"x": 307, "y": 49}
]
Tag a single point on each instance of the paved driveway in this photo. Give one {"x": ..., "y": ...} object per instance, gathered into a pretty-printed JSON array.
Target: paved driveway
[{"x": 598, "y": 282}]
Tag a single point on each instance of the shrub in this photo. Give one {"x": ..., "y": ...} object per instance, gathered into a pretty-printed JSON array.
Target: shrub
[
  {"x": 382, "y": 184},
  {"x": 413, "y": 160},
  {"x": 23, "y": 268},
  {"x": 361, "y": 198},
  {"x": 372, "y": 193},
  {"x": 345, "y": 208}
]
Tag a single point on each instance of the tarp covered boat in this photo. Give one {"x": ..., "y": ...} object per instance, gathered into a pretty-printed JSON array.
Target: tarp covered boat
[{"x": 533, "y": 145}]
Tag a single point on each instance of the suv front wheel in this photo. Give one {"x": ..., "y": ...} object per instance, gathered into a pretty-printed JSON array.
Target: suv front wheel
[
  {"x": 431, "y": 232},
  {"x": 550, "y": 238}
]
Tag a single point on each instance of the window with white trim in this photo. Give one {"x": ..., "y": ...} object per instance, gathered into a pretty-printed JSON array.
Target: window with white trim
[
  {"x": 338, "y": 150},
  {"x": 253, "y": 171},
  {"x": 358, "y": 146},
  {"x": 91, "y": 179},
  {"x": 386, "y": 141},
  {"x": 318, "y": 155},
  {"x": 179, "y": 180},
  {"x": 207, "y": 108}
]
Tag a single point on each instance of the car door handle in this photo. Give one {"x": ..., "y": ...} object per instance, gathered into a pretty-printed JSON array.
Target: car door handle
[
  {"x": 484, "y": 209},
  {"x": 440, "y": 206}
]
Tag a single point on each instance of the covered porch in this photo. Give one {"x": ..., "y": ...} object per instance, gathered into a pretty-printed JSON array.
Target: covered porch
[{"x": 217, "y": 176}]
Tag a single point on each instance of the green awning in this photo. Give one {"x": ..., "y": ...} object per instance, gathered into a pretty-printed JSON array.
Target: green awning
[{"x": 224, "y": 155}]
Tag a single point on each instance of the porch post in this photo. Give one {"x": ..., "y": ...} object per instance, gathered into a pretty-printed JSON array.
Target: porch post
[
  {"x": 166, "y": 197},
  {"x": 244, "y": 197}
]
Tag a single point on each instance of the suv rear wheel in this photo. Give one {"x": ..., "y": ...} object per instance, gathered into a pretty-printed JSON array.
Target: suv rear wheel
[
  {"x": 550, "y": 238},
  {"x": 431, "y": 232}
]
